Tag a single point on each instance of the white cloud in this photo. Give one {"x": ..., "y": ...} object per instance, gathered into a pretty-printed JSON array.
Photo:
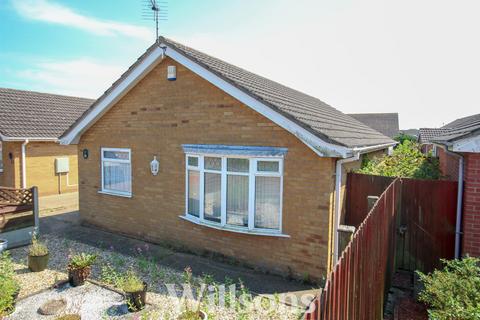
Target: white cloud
[
  {"x": 80, "y": 77},
  {"x": 47, "y": 11}
]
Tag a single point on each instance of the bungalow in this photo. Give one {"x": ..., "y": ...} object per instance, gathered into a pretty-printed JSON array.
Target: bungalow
[
  {"x": 189, "y": 150},
  {"x": 30, "y": 125},
  {"x": 458, "y": 148}
]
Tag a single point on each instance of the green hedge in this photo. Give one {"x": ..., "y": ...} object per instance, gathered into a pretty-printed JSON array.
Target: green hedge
[{"x": 407, "y": 161}]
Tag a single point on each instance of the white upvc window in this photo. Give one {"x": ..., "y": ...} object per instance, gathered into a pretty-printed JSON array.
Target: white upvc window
[
  {"x": 235, "y": 192},
  {"x": 116, "y": 171}
]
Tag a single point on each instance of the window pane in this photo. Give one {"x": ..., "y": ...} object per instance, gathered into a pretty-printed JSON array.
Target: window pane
[
  {"x": 119, "y": 155},
  {"x": 268, "y": 166},
  {"x": 193, "y": 161},
  {"x": 267, "y": 202},
  {"x": 237, "y": 165},
  {"x": 212, "y": 163},
  {"x": 212, "y": 196},
  {"x": 237, "y": 200},
  {"x": 116, "y": 176},
  {"x": 194, "y": 193}
]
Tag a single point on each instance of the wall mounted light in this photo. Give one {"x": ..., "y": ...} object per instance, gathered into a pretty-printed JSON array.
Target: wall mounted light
[
  {"x": 154, "y": 166},
  {"x": 85, "y": 153}
]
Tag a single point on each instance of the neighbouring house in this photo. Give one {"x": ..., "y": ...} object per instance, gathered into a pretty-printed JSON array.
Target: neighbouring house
[
  {"x": 458, "y": 148},
  {"x": 30, "y": 125},
  {"x": 386, "y": 123},
  {"x": 189, "y": 150}
]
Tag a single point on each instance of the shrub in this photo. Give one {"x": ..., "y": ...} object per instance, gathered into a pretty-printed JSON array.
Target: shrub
[
  {"x": 407, "y": 161},
  {"x": 37, "y": 248},
  {"x": 131, "y": 282},
  {"x": 82, "y": 260},
  {"x": 453, "y": 293},
  {"x": 8, "y": 285}
]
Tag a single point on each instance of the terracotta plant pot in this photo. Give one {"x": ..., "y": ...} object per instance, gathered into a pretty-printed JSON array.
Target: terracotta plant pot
[
  {"x": 136, "y": 300},
  {"x": 77, "y": 277},
  {"x": 38, "y": 263}
]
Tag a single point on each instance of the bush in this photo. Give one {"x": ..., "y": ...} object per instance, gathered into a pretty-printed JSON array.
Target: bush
[
  {"x": 37, "y": 248},
  {"x": 131, "y": 282},
  {"x": 82, "y": 260},
  {"x": 454, "y": 292},
  {"x": 407, "y": 161},
  {"x": 8, "y": 285}
]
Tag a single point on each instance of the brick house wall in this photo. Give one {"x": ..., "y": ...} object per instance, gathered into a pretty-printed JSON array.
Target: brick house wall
[
  {"x": 448, "y": 164},
  {"x": 40, "y": 165},
  {"x": 155, "y": 118},
  {"x": 471, "y": 205}
]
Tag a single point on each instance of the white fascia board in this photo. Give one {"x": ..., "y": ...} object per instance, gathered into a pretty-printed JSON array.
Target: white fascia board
[
  {"x": 13, "y": 139},
  {"x": 320, "y": 147},
  {"x": 471, "y": 144},
  {"x": 150, "y": 61}
]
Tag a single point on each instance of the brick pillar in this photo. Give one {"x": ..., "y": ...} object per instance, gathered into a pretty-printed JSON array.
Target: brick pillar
[{"x": 471, "y": 205}]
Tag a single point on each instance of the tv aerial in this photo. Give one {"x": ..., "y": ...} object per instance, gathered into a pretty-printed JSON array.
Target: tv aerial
[{"x": 156, "y": 11}]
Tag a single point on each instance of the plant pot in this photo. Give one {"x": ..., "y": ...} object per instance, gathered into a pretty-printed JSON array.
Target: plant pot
[
  {"x": 38, "y": 263},
  {"x": 77, "y": 277},
  {"x": 136, "y": 300},
  {"x": 201, "y": 315},
  {"x": 3, "y": 245}
]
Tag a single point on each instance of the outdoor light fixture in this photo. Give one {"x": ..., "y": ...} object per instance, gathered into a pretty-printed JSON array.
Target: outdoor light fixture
[
  {"x": 85, "y": 153},
  {"x": 154, "y": 166}
]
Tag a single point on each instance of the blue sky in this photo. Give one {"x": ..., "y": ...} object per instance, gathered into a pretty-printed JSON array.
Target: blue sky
[{"x": 418, "y": 58}]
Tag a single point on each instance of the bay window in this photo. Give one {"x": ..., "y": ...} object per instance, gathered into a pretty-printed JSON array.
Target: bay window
[{"x": 236, "y": 188}]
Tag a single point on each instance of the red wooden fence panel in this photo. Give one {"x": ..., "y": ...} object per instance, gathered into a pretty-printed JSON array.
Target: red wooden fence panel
[
  {"x": 359, "y": 187},
  {"x": 427, "y": 222},
  {"x": 356, "y": 287},
  {"x": 411, "y": 226}
]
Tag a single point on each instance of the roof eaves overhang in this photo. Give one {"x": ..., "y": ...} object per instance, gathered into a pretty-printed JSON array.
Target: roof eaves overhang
[
  {"x": 319, "y": 146},
  {"x": 13, "y": 139}
]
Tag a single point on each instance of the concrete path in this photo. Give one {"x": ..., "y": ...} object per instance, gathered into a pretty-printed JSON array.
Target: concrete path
[{"x": 58, "y": 221}]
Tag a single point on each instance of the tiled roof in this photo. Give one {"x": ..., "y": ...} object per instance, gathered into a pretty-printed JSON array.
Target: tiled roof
[
  {"x": 309, "y": 112},
  {"x": 385, "y": 123},
  {"x": 426, "y": 135},
  {"x": 460, "y": 128},
  {"x": 28, "y": 114}
]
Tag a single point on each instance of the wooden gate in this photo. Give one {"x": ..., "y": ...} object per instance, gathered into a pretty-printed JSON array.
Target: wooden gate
[{"x": 412, "y": 226}]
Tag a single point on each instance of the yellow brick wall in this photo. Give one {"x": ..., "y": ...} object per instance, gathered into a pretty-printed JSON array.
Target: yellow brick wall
[
  {"x": 11, "y": 167},
  {"x": 155, "y": 118},
  {"x": 41, "y": 168},
  {"x": 40, "y": 165}
]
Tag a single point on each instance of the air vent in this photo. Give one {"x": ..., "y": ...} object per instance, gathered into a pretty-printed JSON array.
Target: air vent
[{"x": 172, "y": 73}]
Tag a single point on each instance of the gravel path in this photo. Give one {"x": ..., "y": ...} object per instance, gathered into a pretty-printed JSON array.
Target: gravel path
[{"x": 100, "y": 303}]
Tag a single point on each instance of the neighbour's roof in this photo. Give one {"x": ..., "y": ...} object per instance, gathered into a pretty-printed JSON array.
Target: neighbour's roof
[
  {"x": 385, "y": 123},
  {"x": 311, "y": 113},
  {"x": 460, "y": 128},
  {"x": 35, "y": 115},
  {"x": 426, "y": 135},
  {"x": 307, "y": 112}
]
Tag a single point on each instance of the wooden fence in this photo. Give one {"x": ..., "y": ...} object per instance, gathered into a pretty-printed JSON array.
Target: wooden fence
[
  {"x": 411, "y": 226},
  {"x": 18, "y": 214}
]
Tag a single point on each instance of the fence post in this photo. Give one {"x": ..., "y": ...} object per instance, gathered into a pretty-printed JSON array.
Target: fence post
[
  {"x": 35, "y": 208},
  {"x": 371, "y": 202}
]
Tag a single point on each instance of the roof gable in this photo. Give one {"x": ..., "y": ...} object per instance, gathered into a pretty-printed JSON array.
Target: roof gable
[{"x": 324, "y": 129}]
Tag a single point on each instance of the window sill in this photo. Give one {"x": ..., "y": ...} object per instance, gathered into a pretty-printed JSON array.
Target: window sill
[
  {"x": 234, "y": 229},
  {"x": 123, "y": 195}
]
